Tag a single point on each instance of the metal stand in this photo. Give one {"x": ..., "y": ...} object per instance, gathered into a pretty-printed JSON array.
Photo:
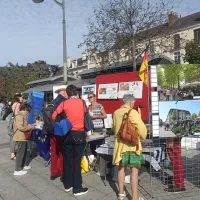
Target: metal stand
[{"x": 48, "y": 162}]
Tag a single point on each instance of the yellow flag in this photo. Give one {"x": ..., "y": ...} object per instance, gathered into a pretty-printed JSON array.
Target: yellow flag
[{"x": 143, "y": 72}]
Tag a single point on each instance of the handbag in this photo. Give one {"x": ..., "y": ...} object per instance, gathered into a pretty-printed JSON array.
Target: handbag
[
  {"x": 88, "y": 123},
  {"x": 27, "y": 135},
  {"x": 62, "y": 127},
  {"x": 128, "y": 132}
]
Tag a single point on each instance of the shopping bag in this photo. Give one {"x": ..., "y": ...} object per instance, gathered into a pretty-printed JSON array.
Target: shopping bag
[
  {"x": 84, "y": 165},
  {"x": 62, "y": 127}
]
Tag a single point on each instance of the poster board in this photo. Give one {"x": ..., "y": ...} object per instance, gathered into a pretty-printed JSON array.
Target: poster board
[
  {"x": 54, "y": 89},
  {"x": 134, "y": 87},
  {"x": 88, "y": 89},
  {"x": 108, "y": 91}
]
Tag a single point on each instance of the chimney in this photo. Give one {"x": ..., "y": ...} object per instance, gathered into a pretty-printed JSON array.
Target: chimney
[
  {"x": 83, "y": 56},
  {"x": 172, "y": 17}
]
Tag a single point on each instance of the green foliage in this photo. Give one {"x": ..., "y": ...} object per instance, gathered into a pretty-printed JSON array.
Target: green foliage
[
  {"x": 161, "y": 76},
  {"x": 197, "y": 129},
  {"x": 192, "y": 52},
  {"x": 13, "y": 79},
  {"x": 172, "y": 75},
  {"x": 191, "y": 72},
  {"x": 179, "y": 130},
  {"x": 193, "y": 116},
  {"x": 174, "y": 114}
]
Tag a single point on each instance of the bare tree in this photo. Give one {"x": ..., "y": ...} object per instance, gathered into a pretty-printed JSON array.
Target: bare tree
[{"x": 120, "y": 26}]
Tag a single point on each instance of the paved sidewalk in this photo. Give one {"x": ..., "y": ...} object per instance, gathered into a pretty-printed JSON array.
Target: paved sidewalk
[{"x": 37, "y": 185}]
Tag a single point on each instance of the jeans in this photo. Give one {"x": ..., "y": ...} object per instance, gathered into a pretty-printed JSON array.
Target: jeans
[
  {"x": 56, "y": 155},
  {"x": 21, "y": 156},
  {"x": 73, "y": 147}
]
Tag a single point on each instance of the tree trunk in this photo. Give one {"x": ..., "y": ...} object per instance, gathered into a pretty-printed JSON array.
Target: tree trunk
[
  {"x": 178, "y": 82},
  {"x": 133, "y": 55}
]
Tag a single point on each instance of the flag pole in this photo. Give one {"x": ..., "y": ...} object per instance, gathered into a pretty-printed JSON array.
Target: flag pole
[
  {"x": 148, "y": 87},
  {"x": 148, "y": 94}
]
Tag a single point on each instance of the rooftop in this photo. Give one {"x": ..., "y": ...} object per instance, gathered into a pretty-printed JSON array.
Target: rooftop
[{"x": 51, "y": 79}]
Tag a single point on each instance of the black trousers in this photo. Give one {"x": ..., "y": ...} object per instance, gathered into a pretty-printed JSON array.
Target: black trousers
[
  {"x": 21, "y": 156},
  {"x": 73, "y": 149}
]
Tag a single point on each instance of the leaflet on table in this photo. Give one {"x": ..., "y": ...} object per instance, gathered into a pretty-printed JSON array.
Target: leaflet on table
[
  {"x": 134, "y": 87},
  {"x": 108, "y": 91}
]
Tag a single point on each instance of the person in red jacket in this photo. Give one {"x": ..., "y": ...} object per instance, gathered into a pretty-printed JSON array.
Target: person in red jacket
[{"x": 74, "y": 142}]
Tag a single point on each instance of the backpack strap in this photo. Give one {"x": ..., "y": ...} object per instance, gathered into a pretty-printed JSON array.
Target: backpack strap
[
  {"x": 85, "y": 109},
  {"x": 129, "y": 112}
]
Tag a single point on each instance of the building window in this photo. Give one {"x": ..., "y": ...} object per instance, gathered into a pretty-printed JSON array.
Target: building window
[
  {"x": 197, "y": 34},
  {"x": 92, "y": 59},
  {"x": 177, "y": 57},
  {"x": 152, "y": 47},
  {"x": 176, "y": 41}
]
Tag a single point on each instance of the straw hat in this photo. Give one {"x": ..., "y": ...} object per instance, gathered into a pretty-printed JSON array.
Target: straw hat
[{"x": 61, "y": 88}]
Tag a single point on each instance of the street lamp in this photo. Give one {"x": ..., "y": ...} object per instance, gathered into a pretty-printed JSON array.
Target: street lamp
[
  {"x": 62, "y": 5},
  {"x": 176, "y": 111}
]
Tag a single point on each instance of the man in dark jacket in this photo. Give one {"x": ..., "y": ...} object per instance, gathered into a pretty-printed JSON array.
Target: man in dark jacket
[{"x": 56, "y": 141}]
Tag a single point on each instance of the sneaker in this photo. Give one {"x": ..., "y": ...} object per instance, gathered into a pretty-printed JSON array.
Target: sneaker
[
  {"x": 83, "y": 191},
  {"x": 19, "y": 173},
  {"x": 68, "y": 190},
  {"x": 175, "y": 189},
  {"x": 121, "y": 196},
  {"x": 27, "y": 167}
]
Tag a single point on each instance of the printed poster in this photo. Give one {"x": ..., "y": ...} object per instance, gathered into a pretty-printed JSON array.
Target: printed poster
[
  {"x": 134, "y": 88},
  {"x": 108, "y": 91},
  {"x": 88, "y": 89}
]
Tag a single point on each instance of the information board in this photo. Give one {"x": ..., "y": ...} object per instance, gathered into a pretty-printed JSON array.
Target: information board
[{"x": 108, "y": 91}]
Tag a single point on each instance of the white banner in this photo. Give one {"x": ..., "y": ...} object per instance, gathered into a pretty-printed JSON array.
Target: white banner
[
  {"x": 134, "y": 88},
  {"x": 108, "y": 91}
]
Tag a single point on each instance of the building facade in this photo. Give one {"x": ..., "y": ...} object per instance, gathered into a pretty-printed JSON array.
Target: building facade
[{"x": 170, "y": 44}]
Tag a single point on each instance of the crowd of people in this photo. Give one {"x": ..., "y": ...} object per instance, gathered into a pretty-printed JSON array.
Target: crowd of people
[
  {"x": 66, "y": 152},
  {"x": 174, "y": 94}
]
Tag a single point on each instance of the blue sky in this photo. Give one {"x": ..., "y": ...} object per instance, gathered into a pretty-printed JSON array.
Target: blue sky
[
  {"x": 164, "y": 107},
  {"x": 30, "y": 32}
]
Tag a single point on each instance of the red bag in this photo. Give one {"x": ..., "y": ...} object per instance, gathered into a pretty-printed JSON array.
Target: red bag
[
  {"x": 128, "y": 132},
  {"x": 27, "y": 135}
]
